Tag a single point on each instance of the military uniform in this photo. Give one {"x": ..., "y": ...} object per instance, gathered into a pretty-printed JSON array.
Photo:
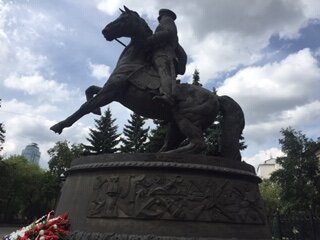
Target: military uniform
[{"x": 164, "y": 43}]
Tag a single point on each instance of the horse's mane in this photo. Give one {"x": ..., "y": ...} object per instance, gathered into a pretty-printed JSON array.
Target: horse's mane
[
  {"x": 144, "y": 23},
  {"x": 148, "y": 29}
]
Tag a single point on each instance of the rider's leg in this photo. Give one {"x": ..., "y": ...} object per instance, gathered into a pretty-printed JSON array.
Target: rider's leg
[
  {"x": 164, "y": 68},
  {"x": 90, "y": 92}
]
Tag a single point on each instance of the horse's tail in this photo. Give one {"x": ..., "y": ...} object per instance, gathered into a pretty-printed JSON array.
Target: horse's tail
[{"x": 232, "y": 125}]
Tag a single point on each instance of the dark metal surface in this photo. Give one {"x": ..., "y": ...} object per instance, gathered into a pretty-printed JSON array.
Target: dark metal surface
[{"x": 163, "y": 195}]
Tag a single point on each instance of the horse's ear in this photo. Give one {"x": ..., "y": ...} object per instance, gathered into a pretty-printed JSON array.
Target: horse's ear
[
  {"x": 127, "y": 9},
  {"x": 121, "y": 10}
]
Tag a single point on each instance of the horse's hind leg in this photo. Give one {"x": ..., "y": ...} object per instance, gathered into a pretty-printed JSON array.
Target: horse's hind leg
[
  {"x": 192, "y": 132},
  {"x": 173, "y": 137},
  {"x": 90, "y": 92}
]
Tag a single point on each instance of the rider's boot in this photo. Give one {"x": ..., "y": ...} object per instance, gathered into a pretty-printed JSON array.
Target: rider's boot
[{"x": 164, "y": 98}]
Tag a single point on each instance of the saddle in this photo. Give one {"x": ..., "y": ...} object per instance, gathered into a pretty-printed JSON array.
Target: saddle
[{"x": 145, "y": 77}]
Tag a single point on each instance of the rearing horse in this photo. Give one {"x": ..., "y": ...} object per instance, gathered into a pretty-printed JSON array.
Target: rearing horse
[{"x": 133, "y": 84}]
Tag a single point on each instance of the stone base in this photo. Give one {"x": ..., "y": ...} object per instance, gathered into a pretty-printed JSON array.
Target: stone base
[{"x": 162, "y": 196}]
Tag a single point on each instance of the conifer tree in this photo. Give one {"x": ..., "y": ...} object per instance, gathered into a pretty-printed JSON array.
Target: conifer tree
[
  {"x": 196, "y": 78},
  {"x": 157, "y": 137},
  {"x": 213, "y": 137},
  {"x": 135, "y": 135},
  {"x": 2, "y": 132},
  {"x": 103, "y": 139}
]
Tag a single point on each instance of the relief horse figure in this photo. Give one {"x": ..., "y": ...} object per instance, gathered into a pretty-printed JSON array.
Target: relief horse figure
[{"x": 134, "y": 83}]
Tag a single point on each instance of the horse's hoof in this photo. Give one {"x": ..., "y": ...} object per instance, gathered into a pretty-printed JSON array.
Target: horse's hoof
[{"x": 57, "y": 128}]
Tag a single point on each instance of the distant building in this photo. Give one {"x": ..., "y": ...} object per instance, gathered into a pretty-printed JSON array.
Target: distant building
[
  {"x": 265, "y": 169},
  {"x": 32, "y": 153},
  {"x": 318, "y": 153}
]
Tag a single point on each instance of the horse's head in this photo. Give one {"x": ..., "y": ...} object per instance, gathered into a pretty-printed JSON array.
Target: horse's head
[{"x": 128, "y": 24}]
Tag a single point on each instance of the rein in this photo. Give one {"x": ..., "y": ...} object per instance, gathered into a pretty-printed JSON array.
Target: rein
[{"x": 120, "y": 42}]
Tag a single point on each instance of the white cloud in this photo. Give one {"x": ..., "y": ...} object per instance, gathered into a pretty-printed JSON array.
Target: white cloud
[
  {"x": 25, "y": 109},
  {"x": 25, "y": 123},
  {"x": 27, "y": 62},
  {"x": 4, "y": 50},
  {"x": 217, "y": 53},
  {"x": 304, "y": 116},
  {"x": 37, "y": 85},
  {"x": 311, "y": 8},
  {"x": 275, "y": 87},
  {"x": 99, "y": 71},
  {"x": 277, "y": 95},
  {"x": 220, "y": 38},
  {"x": 221, "y": 35},
  {"x": 111, "y": 7}
]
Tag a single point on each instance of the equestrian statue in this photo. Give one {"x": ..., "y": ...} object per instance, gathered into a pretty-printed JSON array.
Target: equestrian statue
[{"x": 144, "y": 80}]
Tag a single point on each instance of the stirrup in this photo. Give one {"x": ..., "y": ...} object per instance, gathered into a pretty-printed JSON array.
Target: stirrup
[{"x": 165, "y": 98}]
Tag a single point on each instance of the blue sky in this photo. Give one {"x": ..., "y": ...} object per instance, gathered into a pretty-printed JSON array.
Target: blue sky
[{"x": 264, "y": 54}]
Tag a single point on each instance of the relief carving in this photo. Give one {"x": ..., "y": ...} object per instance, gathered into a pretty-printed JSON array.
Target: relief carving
[
  {"x": 175, "y": 198},
  {"x": 78, "y": 235}
]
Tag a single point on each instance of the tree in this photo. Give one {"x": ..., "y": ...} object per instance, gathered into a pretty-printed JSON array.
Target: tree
[
  {"x": 135, "y": 135},
  {"x": 61, "y": 156},
  {"x": 270, "y": 194},
  {"x": 2, "y": 132},
  {"x": 196, "y": 78},
  {"x": 213, "y": 137},
  {"x": 242, "y": 143},
  {"x": 299, "y": 175},
  {"x": 21, "y": 190},
  {"x": 104, "y": 138},
  {"x": 157, "y": 137}
]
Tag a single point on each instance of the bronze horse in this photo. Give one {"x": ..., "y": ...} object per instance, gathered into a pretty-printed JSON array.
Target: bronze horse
[{"x": 134, "y": 83}]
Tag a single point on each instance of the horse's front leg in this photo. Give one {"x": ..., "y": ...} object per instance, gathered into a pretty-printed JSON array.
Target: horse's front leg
[
  {"x": 105, "y": 96},
  {"x": 90, "y": 93}
]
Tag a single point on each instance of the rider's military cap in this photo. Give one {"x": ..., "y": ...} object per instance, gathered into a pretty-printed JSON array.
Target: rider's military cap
[{"x": 167, "y": 12}]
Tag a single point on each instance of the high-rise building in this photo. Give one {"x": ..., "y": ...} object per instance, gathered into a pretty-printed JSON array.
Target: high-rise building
[{"x": 32, "y": 153}]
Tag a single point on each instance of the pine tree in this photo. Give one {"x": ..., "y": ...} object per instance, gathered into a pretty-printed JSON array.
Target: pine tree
[
  {"x": 2, "y": 132},
  {"x": 104, "y": 138},
  {"x": 196, "y": 78},
  {"x": 242, "y": 143},
  {"x": 213, "y": 137},
  {"x": 135, "y": 135},
  {"x": 157, "y": 137}
]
